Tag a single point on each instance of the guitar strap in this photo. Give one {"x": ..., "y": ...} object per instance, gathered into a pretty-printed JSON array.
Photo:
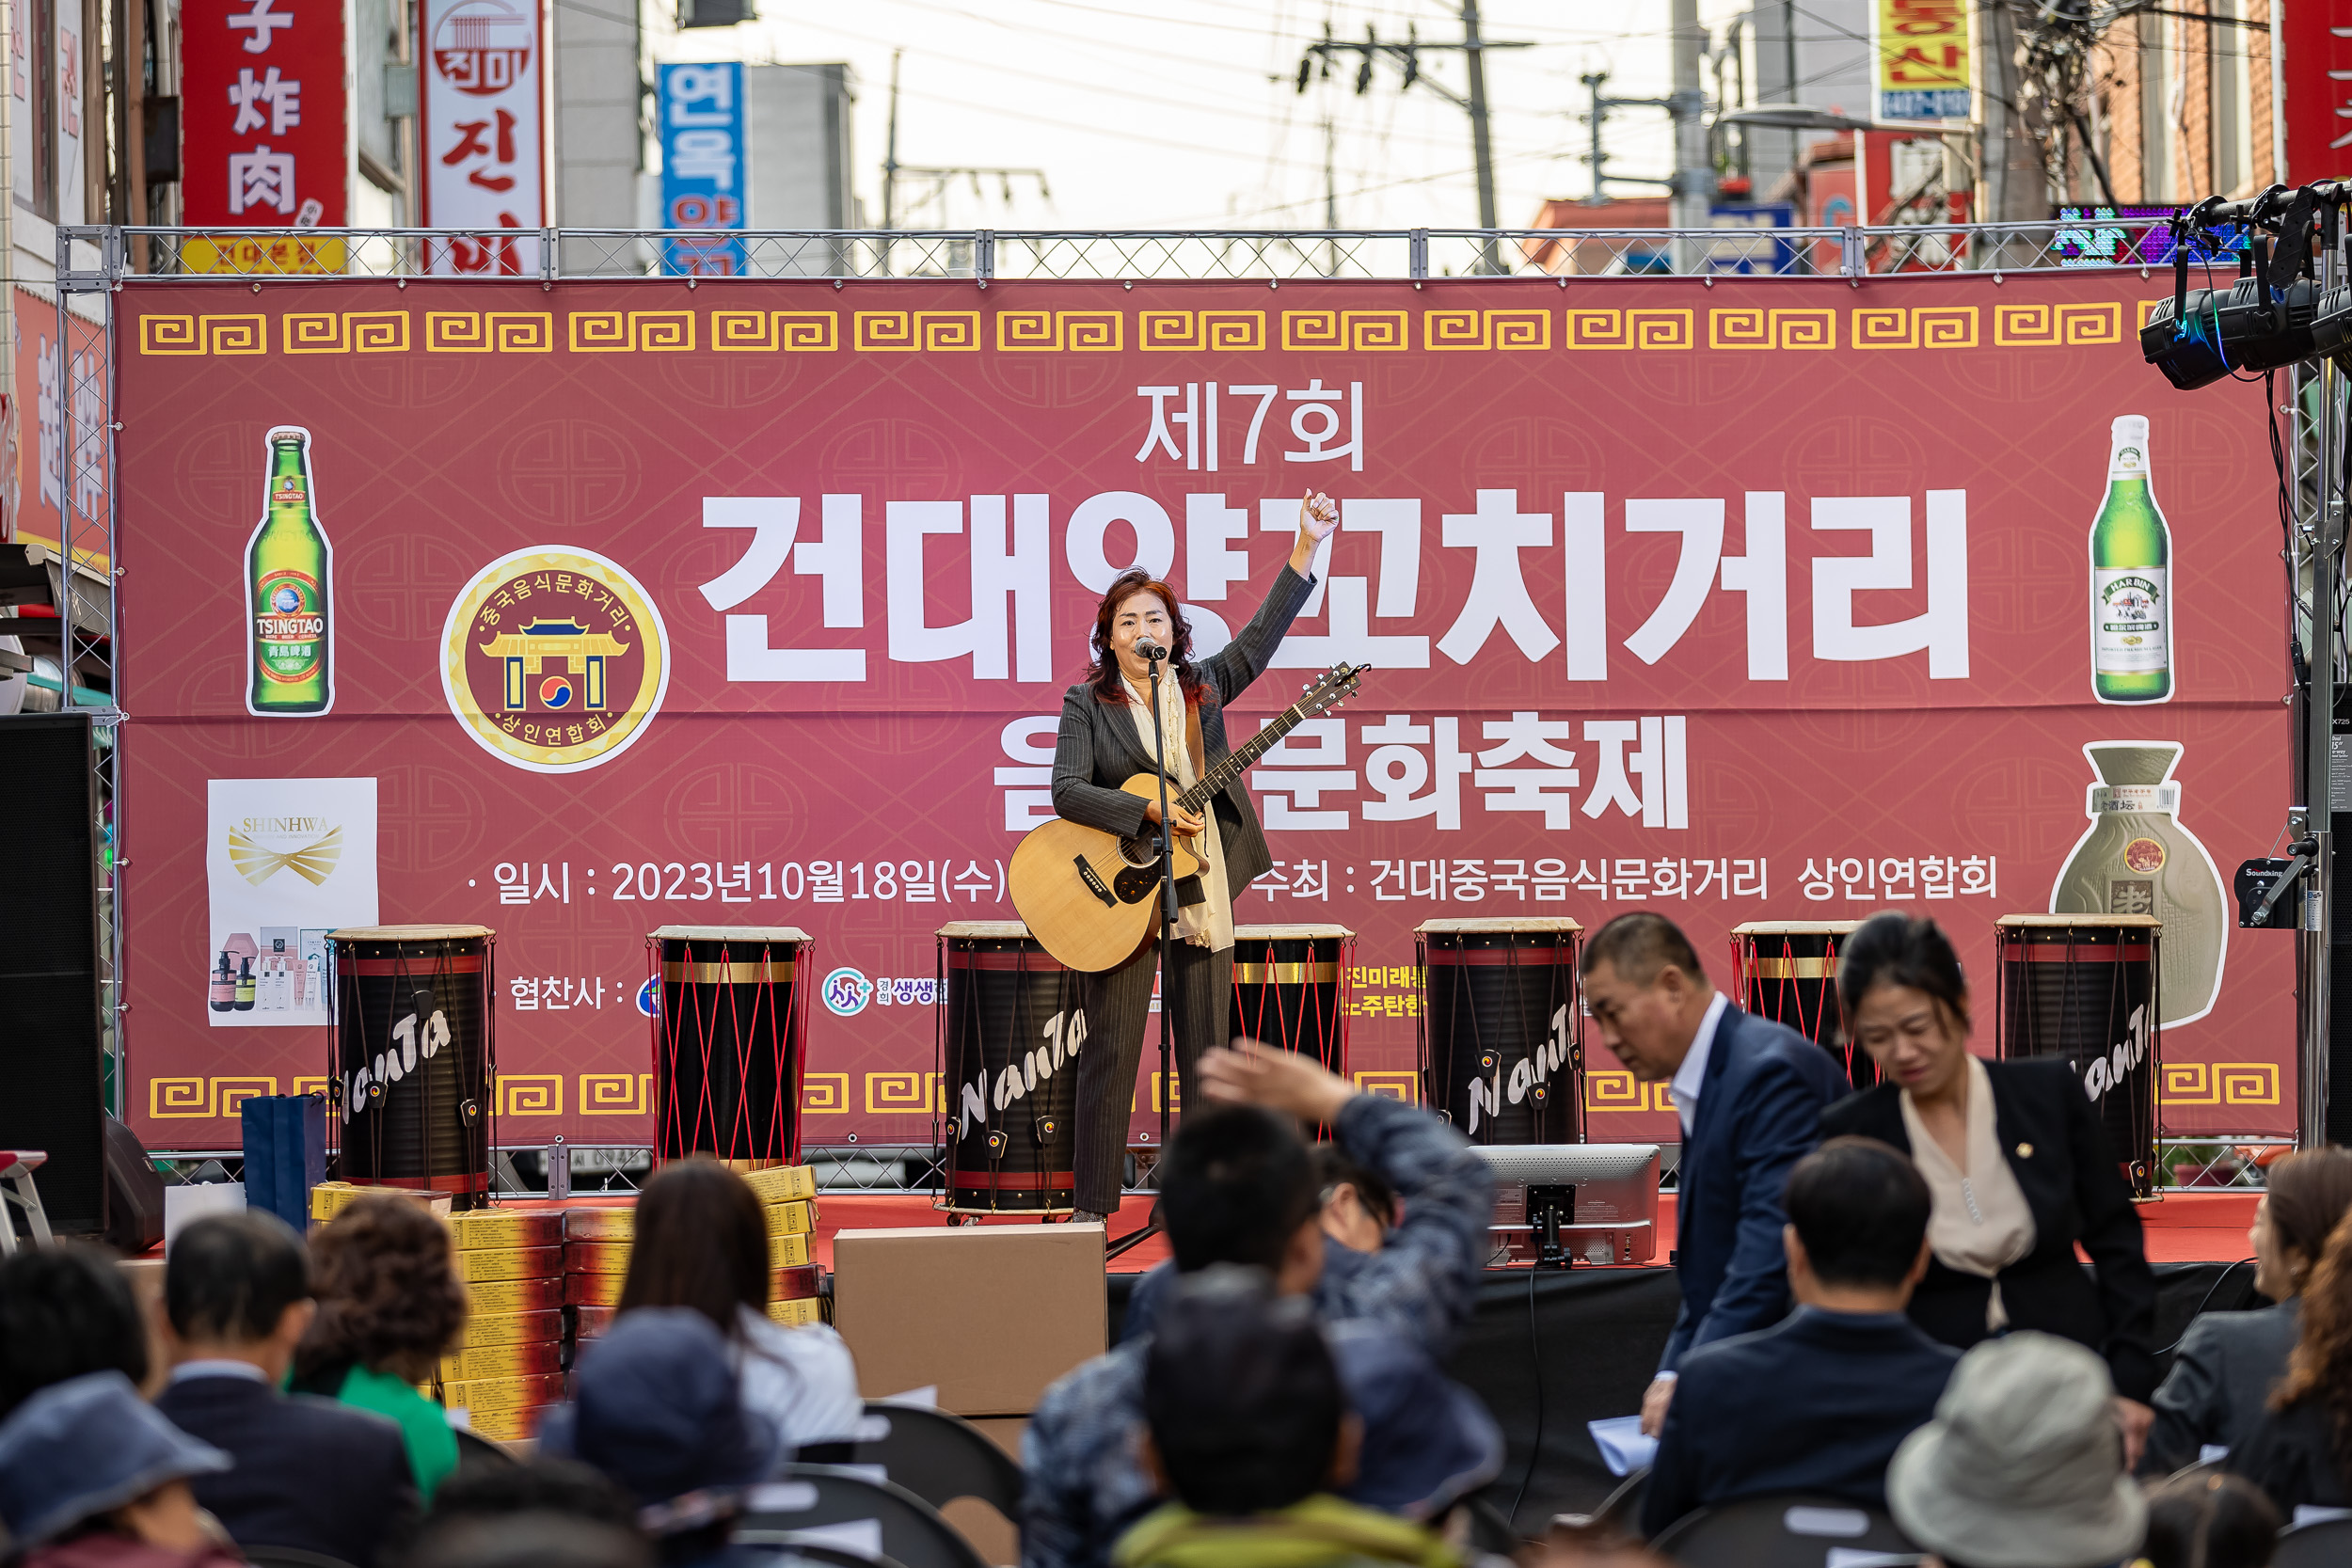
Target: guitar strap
[{"x": 1192, "y": 740}]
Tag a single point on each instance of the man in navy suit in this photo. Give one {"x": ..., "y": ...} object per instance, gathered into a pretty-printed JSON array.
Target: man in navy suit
[
  {"x": 1820, "y": 1401},
  {"x": 309, "y": 1473},
  {"x": 1749, "y": 1093}
]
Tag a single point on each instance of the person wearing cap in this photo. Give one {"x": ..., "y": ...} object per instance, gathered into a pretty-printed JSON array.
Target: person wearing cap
[
  {"x": 1748, "y": 1094},
  {"x": 1249, "y": 1431},
  {"x": 2016, "y": 1159},
  {"x": 1817, "y": 1402},
  {"x": 2022, "y": 1466},
  {"x": 656, "y": 1406},
  {"x": 309, "y": 1474},
  {"x": 1417, "y": 1274},
  {"x": 91, "y": 1476},
  {"x": 1237, "y": 1187}
]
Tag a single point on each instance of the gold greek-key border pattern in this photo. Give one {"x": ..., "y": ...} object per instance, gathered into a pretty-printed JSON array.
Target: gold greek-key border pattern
[
  {"x": 1195, "y": 331},
  {"x": 615, "y": 1094},
  {"x": 1921, "y": 326},
  {"x": 1059, "y": 331},
  {"x": 531, "y": 1094},
  {"x": 904, "y": 1093},
  {"x": 1614, "y": 1089},
  {"x": 1442, "y": 329},
  {"x": 1756, "y": 326},
  {"x": 2039, "y": 323},
  {"x": 188, "y": 1099},
  {"x": 917, "y": 331},
  {"x": 1347, "y": 331},
  {"x": 1395, "y": 1085},
  {"x": 1615, "y": 329},
  {"x": 632, "y": 331},
  {"x": 495, "y": 331},
  {"x": 1504, "y": 331},
  {"x": 825, "y": 1094},
  {"x": 2218, "y": 1083},
  {"x": 775, "y": 331},
  {"x": 352, "y": 332}
]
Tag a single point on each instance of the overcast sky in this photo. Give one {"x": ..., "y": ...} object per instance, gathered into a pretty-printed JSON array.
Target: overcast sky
[{"x": 1185, "y": 113}]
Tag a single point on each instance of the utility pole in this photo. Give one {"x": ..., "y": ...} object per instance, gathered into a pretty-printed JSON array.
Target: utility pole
[
  {"x": 890, "y": 149},
  {"x": 1316, "y": 64},
  {"x": 1694, "y": 171},
  {"x": 1482, "y": 148},
  {"x": 1601, "y": 105},
  {"x": 938, "y": 176},
  {"x": 1330, "y": 195}
]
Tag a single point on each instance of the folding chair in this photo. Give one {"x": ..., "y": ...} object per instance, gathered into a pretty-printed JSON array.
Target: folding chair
[
  {"x": 1782, "y": 1530},
  {"x": 808, "y": 1496},
  {"x": 16, "y": 1169},
  {"x": 939, "y": 1457}
]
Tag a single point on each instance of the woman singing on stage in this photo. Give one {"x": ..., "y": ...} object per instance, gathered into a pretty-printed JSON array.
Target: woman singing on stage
[{"x": 1107, "y": 738}]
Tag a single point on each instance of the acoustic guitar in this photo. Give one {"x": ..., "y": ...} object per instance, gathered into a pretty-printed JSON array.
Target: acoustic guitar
[{"x": 1092, "y": 898}]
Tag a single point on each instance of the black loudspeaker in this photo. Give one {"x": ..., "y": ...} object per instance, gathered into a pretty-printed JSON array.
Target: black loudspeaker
[
  {"x": 134, "y": 1192},
  {"x": 50, "y": 1097}
]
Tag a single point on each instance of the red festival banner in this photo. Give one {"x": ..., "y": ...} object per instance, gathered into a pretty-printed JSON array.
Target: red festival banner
[{"x": 1770, "y": 601}]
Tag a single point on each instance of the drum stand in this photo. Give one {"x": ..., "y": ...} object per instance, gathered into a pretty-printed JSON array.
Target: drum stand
[{"x": 1168, "y": 917}]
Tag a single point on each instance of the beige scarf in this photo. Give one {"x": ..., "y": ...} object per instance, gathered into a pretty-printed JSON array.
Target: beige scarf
[
  {"x": 1980, "y": 1224},
  {"x": 1210, "y": 923}
]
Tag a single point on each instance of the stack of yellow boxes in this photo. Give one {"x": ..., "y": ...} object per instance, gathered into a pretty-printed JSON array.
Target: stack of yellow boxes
[
  {"x": 597, "y": 1246},
  {"x": 505, "y": 1371}
]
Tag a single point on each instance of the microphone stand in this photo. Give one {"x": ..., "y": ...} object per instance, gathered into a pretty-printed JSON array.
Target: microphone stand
[{"x": 1168, "y": 918}]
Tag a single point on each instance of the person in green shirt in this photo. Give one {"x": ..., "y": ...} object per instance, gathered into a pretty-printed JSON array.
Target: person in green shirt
[{"x": 389, "y": 1304}]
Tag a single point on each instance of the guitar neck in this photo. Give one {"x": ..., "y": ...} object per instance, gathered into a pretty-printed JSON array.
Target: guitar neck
[{"x": 1213, "y": 782}]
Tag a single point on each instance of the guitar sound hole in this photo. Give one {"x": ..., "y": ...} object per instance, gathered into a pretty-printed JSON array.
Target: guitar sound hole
[{"x": 1139, "y": 851}]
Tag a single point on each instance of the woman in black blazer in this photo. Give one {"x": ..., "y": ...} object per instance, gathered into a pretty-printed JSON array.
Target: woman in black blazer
[{"x": 1999, "y": 1264}]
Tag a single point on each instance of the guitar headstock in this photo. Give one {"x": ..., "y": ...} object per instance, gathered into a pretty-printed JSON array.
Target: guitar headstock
[{"x": 1337, "y": 685}]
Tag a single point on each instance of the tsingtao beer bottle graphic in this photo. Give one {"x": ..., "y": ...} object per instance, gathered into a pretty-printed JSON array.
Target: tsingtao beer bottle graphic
[
  {"x": 2131, "y": 578},
  {"x": 288, "y": 586}
]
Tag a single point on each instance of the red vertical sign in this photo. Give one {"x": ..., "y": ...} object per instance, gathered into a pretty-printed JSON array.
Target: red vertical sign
[
  {"x": 2314, "y": 46},
  {"x": 262, "y": 112}
]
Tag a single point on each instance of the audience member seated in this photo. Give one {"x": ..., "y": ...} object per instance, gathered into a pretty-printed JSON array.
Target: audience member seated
[
  {"x": 702, "y": 1243},
  {"x": 2228, "y": 1363},
  {"x": 389, "y": 1304},
  {"x": 1418, "y": 1274},
  {"x": 1237, "y": 1186},
  {"x": 309, "y": 1474},
  {"x": 657, "y": 1406},
  {"x": 531, "y": 1540},
  {"x": 65, "y": 1311},
  {"x": 2023, "y": 1467},
  {"x": 1247, "y": 1430},
  {"x": 92, "y": 1476},
  {"x": 1818, "y": 1402},
  {"x": 487, "y": 1489},
  {"x": 2293, "y": 1455},
  {"x": 2210, "y": 1521}
]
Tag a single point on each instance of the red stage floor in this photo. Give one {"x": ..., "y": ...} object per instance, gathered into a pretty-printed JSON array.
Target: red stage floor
[{"x": 2185, "y": 1227}]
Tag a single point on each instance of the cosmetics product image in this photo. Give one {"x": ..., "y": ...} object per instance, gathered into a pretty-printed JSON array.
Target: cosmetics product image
[
  {"x": 245, "y": 986},
  {"x": 223, "y": 991}
]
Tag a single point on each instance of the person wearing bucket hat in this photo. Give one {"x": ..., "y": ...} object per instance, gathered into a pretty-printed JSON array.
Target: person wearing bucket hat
[
  {"x": 91, "y": 1476},
  {"x": 1250, "y": 1433},
  {"x": 2023, "y": 1465}
]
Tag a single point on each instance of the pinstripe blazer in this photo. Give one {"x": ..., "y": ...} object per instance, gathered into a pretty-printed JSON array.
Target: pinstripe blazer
[{"x": 1098, "y": 749}]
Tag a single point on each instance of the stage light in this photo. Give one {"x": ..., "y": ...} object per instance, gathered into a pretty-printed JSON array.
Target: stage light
[{"x": 2261, "y": 321}]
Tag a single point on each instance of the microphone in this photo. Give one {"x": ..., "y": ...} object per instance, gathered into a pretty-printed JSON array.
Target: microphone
[{"x": 1146, "y": 648}]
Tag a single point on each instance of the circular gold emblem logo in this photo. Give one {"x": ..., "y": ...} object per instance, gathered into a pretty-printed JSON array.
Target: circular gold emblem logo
[
  {"x": 2144, "y": 855},
  {"x": 555, "y": 659}
]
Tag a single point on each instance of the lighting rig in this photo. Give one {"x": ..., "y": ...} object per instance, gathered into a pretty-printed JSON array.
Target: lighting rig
[{"x": 2289, "y": 308}]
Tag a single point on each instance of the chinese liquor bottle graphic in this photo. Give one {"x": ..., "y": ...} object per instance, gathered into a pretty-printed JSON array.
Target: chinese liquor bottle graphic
[
  {"x": 2136, "y": 859},
  {"x": 2131, "y": 578},
  {"x": 289, "y": 572}
]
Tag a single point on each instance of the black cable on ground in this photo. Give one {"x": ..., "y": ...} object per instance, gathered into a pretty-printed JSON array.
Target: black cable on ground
[
  {"x": 2226, "y": 1270},
  {"x": 1535, "y": 1364}
]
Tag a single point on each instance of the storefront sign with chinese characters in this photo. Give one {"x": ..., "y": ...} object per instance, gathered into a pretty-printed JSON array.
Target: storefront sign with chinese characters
[
  {"x": 263, "y": 131},
  {"x": 702, "y": 166},
  {"x": 484, "y": 131}
]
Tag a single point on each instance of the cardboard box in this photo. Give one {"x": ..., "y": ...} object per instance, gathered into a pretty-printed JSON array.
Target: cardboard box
[
  {"x": 781, "y": 1183},
  {"x": 797, "y": 1314},
  {"x": 473, "y": 1362},
  {"x": 482, "y": 1395},
  {"x": 506, "y": 1426},
  {"x": 484, "y": 1327},
  {"x": 990, "y": 1314},
  {"x": 502, "y": 1296},
  {"x": 791, "y": 1219},
  {"x": 491, "y": 1230},
  {"x": 599, "y": 1225},
  {"x": 488, "y": 1264}
]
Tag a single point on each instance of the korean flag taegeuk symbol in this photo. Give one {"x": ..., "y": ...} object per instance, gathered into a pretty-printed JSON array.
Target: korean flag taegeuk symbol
[{"x": 555, "y": 659}]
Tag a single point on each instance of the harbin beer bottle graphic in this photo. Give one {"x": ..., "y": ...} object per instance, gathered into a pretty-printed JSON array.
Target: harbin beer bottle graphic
[
  {"x": 2131, "y": 579},
  {"x": 289, "y": 570},
  {"x": 2136, "y": 859}
]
